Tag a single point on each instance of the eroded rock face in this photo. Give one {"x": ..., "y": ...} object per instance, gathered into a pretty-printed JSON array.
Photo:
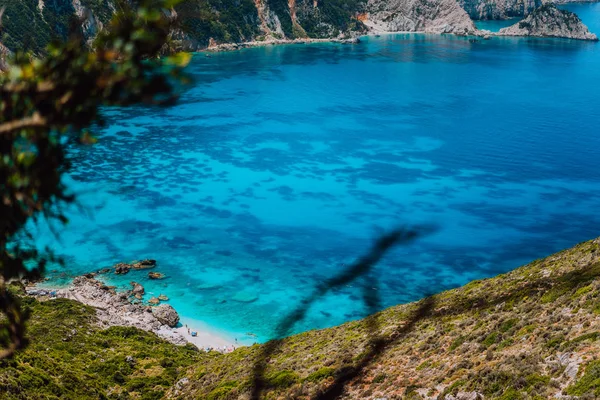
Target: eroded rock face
[
  {"x": 549, "y": 21},
  {"x": 438, "y": 16},
  {"x": 166, "y": 314},
  {"x": 499, "y": 9}
]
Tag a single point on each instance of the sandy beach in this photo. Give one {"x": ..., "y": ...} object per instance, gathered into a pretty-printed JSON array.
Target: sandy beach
[{"x": 205, "y": 339}]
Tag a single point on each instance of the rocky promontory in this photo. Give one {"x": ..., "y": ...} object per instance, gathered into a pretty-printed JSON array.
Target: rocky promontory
[
  {"x": 549, "y": 21},
  {"x": 499, "y": 9},
  {"x": 115, "y": 308},
  {"x": 442, "y": 16}
]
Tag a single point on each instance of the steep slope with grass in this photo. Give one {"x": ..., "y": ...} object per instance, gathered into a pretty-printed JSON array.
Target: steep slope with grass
[
  {"x": 533, "y": 333},
  {"x": 70, "y": 357}
]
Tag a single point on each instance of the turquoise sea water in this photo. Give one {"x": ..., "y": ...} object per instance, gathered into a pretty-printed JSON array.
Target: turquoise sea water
[
  {"x": 281, "y": 164},
  {"x": 496, "y": 25}
]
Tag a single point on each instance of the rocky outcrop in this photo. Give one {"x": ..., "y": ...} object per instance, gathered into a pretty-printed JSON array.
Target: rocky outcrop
[
  {"x": 166, "y": 314},
  {"x": 549, "y": 21},
  {"x": 438, "y": 16},
  {"x": 137, "y": 289},
  {"x": 90, "y": 24},
  {"x": 123, "y": 268},
  {"x": 499, "y": 9},
  {"x": 115, "y": 309}
]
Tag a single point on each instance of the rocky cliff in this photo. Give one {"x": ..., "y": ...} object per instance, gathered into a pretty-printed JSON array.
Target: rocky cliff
[
  {"x": 498, "y": 9},
  {"x": 438, "y": 16},
  {"x": 549, "y": 21},
  {"x": 32, "y": 24}
]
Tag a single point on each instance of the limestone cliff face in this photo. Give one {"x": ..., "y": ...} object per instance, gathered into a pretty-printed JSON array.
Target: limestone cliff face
[
  {"x": 549, "y": 21},
  {"x": 90, "y": 22},
  {"x": 435, "y": 16},
  {"x": 4, "y": 52},
  {"x": 498, "y": 9},
  {"x": 32, "y": 24}
]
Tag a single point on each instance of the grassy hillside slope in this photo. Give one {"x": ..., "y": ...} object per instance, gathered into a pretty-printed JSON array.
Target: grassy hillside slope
[
  {"x": 69, "y": 357},
  {"x": 529, "y": 334},
  {"x": 533, "y": 333}
]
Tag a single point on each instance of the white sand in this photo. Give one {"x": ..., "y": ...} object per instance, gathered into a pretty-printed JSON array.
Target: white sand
[{"x": 204, "y": 339}]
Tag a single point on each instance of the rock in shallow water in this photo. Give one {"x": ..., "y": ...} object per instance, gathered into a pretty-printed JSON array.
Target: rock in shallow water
[
  {"x": 137, "y": 289},
  {"x": 122, "y": 268},
  {"x": 154, "y": 301},
  {"x": 166, "y": 315}
]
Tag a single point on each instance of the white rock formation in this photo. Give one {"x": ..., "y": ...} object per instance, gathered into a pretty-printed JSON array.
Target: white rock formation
[
  {"x": 437, "y": 16},
  {"x": 549, "y": 21},
  {"x": 115, "y": 309}
]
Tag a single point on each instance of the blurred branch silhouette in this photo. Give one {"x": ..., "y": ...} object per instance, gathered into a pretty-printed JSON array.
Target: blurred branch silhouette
[
  {"x": 360, "y": 269},
  {"x": 46, "y": 104}
]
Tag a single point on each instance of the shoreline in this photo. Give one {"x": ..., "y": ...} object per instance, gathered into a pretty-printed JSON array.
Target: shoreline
[
  {"x": 223, "y": 47},
  {"x": 478, "y": 33},
  {"x": 117, "y": 309}
]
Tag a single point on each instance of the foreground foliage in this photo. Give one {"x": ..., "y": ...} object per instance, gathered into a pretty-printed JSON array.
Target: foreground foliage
[{"x": 45, "y": 105}]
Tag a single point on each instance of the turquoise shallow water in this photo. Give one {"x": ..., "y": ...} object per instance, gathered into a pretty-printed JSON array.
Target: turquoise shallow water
[
  {"x": 495, "y": 25},
  {"x": 283, "y": 163}
]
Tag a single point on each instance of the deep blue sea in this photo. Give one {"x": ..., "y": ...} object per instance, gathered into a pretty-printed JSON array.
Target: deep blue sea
[{"x": 282, "y": 164}]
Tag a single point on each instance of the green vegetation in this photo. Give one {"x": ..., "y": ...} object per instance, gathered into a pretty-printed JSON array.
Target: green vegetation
[
  {"x": 493, "y": 336},
  {"x": 69, "y": 356},
  {"x": 222, "y": 20},
  {"x": 47, "y": 103},
  {"x": 29, "y": 28},
  {"x": 321, "y": 374},
  {"x": 490, "y": 339},
  {"x": 282, "y": 379},
  {"x": 589, "y": 382},
  {"x": 456, "y": 343}
]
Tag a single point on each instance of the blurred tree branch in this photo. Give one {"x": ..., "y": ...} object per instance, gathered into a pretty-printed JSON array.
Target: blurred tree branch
[
  {"x": 360, "y": 269},
  {"x": 43, "y": 102}
]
